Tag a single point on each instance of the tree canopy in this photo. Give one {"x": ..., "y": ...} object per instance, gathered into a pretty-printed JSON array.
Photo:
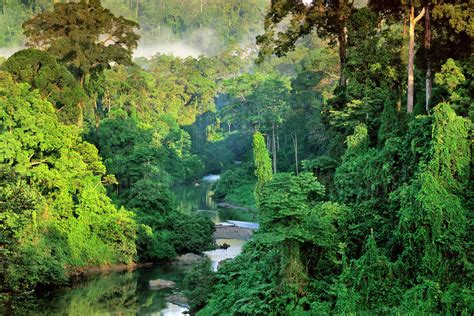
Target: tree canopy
[{"x": 83, "y": 35}]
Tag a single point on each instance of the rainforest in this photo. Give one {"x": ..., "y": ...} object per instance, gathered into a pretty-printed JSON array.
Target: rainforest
[{"x": 236, "y": 157}]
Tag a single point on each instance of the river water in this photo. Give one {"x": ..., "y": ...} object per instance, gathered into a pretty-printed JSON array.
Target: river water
[
  {"x": 196, "y": 198},
  {"x": 128, "y": 293}
]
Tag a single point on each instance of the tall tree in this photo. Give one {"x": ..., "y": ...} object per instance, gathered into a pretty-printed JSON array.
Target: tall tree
[
  {"x": 83, "y": 35},
  {"x": 264, "y": 102},
  {"x": 328, "y": 18},
  {"x": 415, "y": 10},
  {"x": 450, "y": 16},
  {"x": 411, "y": 53}
]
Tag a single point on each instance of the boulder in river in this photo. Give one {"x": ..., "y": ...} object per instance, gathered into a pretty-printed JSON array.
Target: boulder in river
[
  {"x": 178, "y": 299},
  {"x": 189, "y": 258},
  {"x": 224, "y": 246},
  {"x": 161, "y": 284}
]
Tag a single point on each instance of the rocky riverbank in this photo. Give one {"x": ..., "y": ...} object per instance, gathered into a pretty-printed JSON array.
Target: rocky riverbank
[{"x": 232, "y": 232}]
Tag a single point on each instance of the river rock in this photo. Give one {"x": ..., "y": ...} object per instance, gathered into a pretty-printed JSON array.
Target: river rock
[
  {"x": 232, "y": 232},
  {"x": 224, "y": 246},
  {"x": 178, "y": 299},
  {"x": 161, "y": 284},
  {"x": 189, "y": 258}
]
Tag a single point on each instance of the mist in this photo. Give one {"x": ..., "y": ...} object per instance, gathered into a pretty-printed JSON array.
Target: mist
[
  {"x": 8, "y": 51},
  {"x": 178, "y": 49},
  {"x": 194, "y": 43}
]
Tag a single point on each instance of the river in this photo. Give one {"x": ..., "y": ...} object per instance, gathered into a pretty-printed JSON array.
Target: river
[
  {"x": 197, "y": 198},
  {"x": 129, "y": 293}
]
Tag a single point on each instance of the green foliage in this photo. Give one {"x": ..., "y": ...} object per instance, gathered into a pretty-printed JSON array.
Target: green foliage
[
  {"x": 409, "y": 195},
  {"x": 372, "y": 283},
  {"x": 243, "y": 195},
  {"x": 191, "y": 233},
  {"x": 263, "y": 169},
  {"x": 437, "y": 231},
  {"x": 286, "y": 203},
  {"x": 186, "y": 87},
  {"x": 454, "y": 83},
  {"x": 198, "y": 283},
  {"x": 298, "y": 241},
  {"x": 98, "y": 37},
  {"x": 259, "y": 100},
  {"x": 236, "y": 186},
  {"x": 216, "y": 163},
  {"x": 153, "y": 245},
  {"x": 153, "y": 199},
  {"x": 327, "y": 19},
  {"x": 13, "y": 14},
  {"x": 41, "y": 71},
  {"x": 450, "y": 76},
  {"x": 55, "y": 214},
  {"x": 163, "y": 232},
  {"x": 209, "y": 26},
  {"x": 323, "y": 167},
  {"x": 385, "y": 230},
  {"x": 246, "y": 285},
  {"x": 358, "y": 142}
]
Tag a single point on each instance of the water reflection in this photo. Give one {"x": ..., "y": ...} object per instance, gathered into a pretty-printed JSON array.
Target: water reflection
[
  {"x": 197, "y": 199},
  {"x": 126, "y": 293},
  {"x": 122, "y": 293},
  {"x": 191, "y": 198}
]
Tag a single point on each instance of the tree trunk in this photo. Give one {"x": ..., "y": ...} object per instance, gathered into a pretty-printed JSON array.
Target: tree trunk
[
  {"x": 277, "y": 138},
  {"x": 274, "y": 155},
  {"x": 342, "y": 38},
  {"x": 80, "y": 105},
  {"x": 294, "y": 137},
  {"x": 411, "y": 57},
  {"x": 269, "y": 143},
  {"x": 429, "y": 83},
  {"x": 96, "y": 114}
]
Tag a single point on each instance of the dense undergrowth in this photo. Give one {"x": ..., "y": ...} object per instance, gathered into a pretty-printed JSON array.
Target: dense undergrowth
[{"x": 397, "y": 242}]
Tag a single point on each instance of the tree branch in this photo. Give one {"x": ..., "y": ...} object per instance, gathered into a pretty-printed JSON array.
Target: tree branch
[
  {"x": 34, "y": 163},
  {"x": 420, "y": 15}
]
